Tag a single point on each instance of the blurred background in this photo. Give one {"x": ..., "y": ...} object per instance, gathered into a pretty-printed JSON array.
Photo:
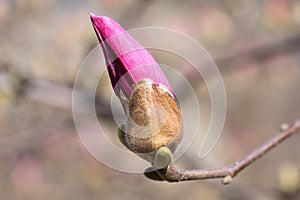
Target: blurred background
[{"x": 255, "y": 44}]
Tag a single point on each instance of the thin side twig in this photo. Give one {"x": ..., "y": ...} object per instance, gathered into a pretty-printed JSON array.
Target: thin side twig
[{"x": 172, "y": 174}]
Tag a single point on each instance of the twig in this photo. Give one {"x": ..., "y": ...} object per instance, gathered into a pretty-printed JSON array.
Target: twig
[{"x": 171, "y": 174}]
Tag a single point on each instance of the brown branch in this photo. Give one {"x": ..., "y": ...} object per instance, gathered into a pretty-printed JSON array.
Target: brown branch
[{"x": 171, "y": 174}]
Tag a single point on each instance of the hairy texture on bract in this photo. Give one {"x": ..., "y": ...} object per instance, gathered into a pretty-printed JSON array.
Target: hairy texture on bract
[{"x": 155, "y": 119}]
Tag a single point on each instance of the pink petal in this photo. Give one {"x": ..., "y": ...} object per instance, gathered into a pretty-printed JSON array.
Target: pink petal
[{"x": 127, "y": 61}]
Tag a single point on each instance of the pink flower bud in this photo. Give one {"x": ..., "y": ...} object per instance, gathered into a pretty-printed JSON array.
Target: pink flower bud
[
  {"x": 154, "y": 118},
  {"x": 125, "y": 57}
]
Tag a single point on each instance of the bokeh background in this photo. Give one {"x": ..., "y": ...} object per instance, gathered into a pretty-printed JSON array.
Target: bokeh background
[{"x": 256, "y": 46}]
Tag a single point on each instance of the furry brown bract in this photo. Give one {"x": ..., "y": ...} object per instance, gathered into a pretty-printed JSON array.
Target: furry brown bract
[{"x": 154, "y": 119}]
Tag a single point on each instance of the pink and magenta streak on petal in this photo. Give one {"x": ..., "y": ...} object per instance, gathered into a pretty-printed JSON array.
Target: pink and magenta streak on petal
[{"x": 127, "y": 61}]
